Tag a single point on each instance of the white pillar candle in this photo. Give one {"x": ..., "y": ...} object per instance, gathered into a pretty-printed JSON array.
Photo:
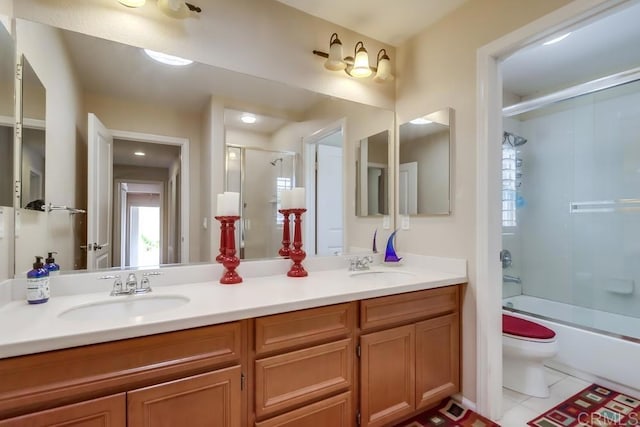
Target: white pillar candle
[
  {"x": 298, "y": 198},
  {"x": 231, "y": 203},
  {"x": 285, "y": 199},
  {"x": 219, "y": 203}
]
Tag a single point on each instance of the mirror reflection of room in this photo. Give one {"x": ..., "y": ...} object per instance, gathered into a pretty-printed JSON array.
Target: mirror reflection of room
[
  {"x": 130, "y": 95},
  {"x": 425, "y": 146}
]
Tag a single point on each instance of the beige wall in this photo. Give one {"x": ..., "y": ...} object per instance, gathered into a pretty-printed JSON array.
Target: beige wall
[
  {"x": 258, "y": 37},
  {"x": 437, "y": 69}
]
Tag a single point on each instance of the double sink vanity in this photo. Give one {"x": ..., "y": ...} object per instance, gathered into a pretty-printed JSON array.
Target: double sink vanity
[{"x": 337, "y": 348}]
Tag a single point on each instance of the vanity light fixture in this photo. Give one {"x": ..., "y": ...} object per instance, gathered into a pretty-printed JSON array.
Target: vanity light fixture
[
  {"x": 557, "y": 39},
  {"x": 248, "y": 118},
  {"x": 164, "y": 58},
  {"x": 358, "y": 64},
  {"x": 139, "y": 153},
  {"x": 420, "y": 121}
]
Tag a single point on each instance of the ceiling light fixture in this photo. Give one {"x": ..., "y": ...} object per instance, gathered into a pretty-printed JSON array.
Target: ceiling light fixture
[
  {"x": 132, "y": 3},
  {"x": 358, "y": 64},
  {"x": 139, "y": 153},
  {"x": 173, "y": 8},
  {"x": 164, "y": 58},
  {"x": 248, "y": 118},
  {"x": 557, "y": 39},
  {"x": 420, "y": 121}
]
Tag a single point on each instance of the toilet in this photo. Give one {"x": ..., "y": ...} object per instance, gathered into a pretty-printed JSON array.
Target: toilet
[{"x": 526, "y": 346}]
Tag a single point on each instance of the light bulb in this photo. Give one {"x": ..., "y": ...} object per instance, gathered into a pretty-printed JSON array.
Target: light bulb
[
  {"x": 361, "y": 62},
  {"x": 132, "y": 3}
]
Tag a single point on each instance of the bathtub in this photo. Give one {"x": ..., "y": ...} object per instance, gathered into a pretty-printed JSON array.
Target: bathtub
[{"x": 593, "y": 345}]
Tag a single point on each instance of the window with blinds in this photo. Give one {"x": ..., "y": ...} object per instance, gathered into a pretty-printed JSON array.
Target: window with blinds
[{"x": 509, "y": 186}]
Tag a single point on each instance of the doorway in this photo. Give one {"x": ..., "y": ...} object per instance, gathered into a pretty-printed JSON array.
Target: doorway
[
  {"x": 324, "y": 178},
  {"x": 140, "y": 159}
]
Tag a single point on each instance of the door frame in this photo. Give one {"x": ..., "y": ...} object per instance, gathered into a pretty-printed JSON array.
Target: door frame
[
  {"x": 183, "y": 143},
  {"x": 309, "y": 180},
  {"x": 488, "y": 186},
  {"x": 119, "y": 209}
]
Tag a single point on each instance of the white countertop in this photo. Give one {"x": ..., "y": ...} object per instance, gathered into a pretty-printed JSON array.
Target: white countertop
[{"x": 26, "y": 328}]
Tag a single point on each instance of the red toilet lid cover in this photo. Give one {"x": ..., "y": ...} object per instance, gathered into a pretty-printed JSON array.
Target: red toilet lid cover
[{"x": 524, "y": 328}]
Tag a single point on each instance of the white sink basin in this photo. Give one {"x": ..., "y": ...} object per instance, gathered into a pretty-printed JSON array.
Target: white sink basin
[
  {"x": 123, "y": 307},
  {"x": 382, "y": 272}
]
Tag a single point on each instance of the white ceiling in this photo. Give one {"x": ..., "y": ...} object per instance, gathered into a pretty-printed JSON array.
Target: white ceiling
[
  {"x": 391, "y": 22},
  {"x": 597, "y": 49},
  {"x": 264, "y": 123},
  {"x": 156, "y": 155}
]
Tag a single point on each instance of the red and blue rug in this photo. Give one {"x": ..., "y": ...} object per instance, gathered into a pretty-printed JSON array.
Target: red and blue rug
[
  {"x": 448, "y": 414},
  {"x": 595, "y": 406}
]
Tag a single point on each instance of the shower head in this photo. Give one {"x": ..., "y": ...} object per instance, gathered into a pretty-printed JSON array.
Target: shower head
[
  {"x": 274, "y": 162},
  {"x": 513, "y": 139}
]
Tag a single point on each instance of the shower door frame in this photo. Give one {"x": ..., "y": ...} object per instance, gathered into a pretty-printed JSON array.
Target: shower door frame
[
  {"x": 488, "y": 189},
  {"x": 241, "y": 226}
]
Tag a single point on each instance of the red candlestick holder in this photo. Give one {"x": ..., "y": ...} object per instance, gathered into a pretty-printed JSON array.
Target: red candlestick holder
[
  {"x": 223, "y": 238},
  {"x": 297, "y": 254},
  {"x": 230, "y": 260},
  {"x": 286, "y": 234}
]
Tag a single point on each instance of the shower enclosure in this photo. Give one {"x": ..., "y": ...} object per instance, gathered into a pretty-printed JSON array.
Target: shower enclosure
[
  {"x": 571, "y": 223},
  {"x": 259, "y": 176}
]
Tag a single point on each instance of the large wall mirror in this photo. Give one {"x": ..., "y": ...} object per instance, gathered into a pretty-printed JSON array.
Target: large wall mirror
[
  {"x": 133, "y": 151},
  {"x": 425, "y": 156},
  {"x": 7, "y": 118},
  {"x": 372, "y": 175}
]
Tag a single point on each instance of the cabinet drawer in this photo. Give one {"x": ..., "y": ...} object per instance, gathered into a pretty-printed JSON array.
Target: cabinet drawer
[
  {"x": 40, "y": 381},
  {"x": 409, "y": 307},
  {"x": 295, "y": 378},
  {"x": 334, "y": 411},
  {"x": 305, "y": 327}
]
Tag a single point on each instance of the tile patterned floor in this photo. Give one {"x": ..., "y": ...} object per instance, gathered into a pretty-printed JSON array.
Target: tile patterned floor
[{"x": 520, "y": 409}]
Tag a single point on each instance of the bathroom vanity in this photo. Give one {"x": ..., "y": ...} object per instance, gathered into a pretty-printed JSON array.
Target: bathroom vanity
[{"x": 336, "y": 348}]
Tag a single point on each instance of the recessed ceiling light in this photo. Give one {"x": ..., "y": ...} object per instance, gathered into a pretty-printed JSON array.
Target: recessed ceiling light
[
  {"x": 248, "y": 118},
  {"x": 132, "y": 3},
  {"x": 420, "y": 121},
  {"x": 557, "y": 39},
  {"x": 167, "y": 59},
  {"x": 139, "y": 153}
]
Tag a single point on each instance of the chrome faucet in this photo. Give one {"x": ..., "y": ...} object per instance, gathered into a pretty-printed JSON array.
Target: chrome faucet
[
  {"x": 360, "y": 263},
  {"x": 131, "y": 286},
  {"x": 511, "y": 279}
]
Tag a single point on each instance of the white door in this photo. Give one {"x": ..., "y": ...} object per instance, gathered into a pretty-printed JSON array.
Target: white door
[
  {"x": 329, "y": 212},
  {"x": 99, "y": 199},
  {"x": 408, "y": 187}
]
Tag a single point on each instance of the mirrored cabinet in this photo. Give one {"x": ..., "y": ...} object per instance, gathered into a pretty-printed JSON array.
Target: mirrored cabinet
[
  {"x": 372, "y": 175},
  {"x": 33, "y": 163},
  {"x": 424, "y": 169},
  {"x": 7, "y": 119}
]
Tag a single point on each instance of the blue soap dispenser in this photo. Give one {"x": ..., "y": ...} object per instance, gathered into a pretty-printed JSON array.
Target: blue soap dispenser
[
  {"x": 38, "y": 283},
  {"x": 51, "y": 266}
]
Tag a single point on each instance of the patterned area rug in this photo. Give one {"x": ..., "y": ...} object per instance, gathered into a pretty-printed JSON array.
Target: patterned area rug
[
  {"x": 448, "y": 414},
  {"x": 595, "y": 406}
]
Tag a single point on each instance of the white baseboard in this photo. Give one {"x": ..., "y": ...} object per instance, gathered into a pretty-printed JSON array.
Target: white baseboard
[{"x": 464, "y": 401}]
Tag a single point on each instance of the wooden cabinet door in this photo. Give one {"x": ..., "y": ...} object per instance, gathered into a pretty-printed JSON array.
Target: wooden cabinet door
[
  {"x": 212, "y": 399},
  {"x": 387, "y": 375},
  {"x": 335, "y": 411},
  {"x": 437, "y": 359},
  {"x": 107, "y": 411}
]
